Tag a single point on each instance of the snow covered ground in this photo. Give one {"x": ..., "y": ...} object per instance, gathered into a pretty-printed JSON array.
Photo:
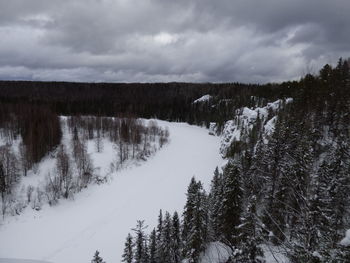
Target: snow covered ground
[{"x": 100, "y": 217}]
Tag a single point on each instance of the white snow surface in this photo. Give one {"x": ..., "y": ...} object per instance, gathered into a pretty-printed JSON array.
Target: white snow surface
[
  {"x": 204, "y": 98},
  {"x": 216, "y": 252},
  {"x": 101, "y": 216},
  {"x": 274, "y": 254},
  {"x": 346, "y": 240}
]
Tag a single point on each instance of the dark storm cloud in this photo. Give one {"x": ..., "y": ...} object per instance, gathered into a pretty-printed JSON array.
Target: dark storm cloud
[{"x": 166, "y": 40}]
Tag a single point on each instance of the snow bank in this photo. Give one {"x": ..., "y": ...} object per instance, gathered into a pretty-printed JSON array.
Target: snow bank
[
  {"x": 274, "y": 254},
  {"x": 204, "y": 98},
  {"x": 346, "y": 240},
  {"x": 216, "y": 252}
]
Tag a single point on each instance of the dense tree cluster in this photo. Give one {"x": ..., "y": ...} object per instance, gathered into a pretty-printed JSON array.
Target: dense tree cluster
[
  {"x": 168, "y": 101},
  {"x": 289, "y": 189}
]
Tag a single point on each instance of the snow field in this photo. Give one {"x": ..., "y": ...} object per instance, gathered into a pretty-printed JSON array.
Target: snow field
[{"x": 101, "y": 216}]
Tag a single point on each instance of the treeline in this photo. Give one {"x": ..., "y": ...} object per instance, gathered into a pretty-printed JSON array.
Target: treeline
[
  {"x": 289, "y": 192},
  {"x": 36, "y": 132},
  {"x": 38, "y": 127},
  {"x": 168, "y": 101}
]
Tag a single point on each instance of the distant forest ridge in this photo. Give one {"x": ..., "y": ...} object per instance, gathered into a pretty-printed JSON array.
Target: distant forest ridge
[{"x": 172, "y": 101}]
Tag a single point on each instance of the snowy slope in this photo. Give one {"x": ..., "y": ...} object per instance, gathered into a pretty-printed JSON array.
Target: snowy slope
[
  {"x": 204, "y": 98},
  {"x": 101, "y": 216},
  {"x": 238, "y": 128}
]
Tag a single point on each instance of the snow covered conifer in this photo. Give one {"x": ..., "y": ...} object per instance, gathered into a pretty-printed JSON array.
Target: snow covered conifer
[
  {"x": 175, "y": 239},
  {"x": 159, "y": 231},
  {"x": 250, "y": 235},
  {"x": 166, "y": 242},
  {"x": 215, "y": 204},
  {"x": 231, "y": 209},
  {"x": 128, "y": 250},
  {"x": 153, "y": 247},
  {"x": 97, "y": 258},
  {"x": 195, "y": 222},
  {"x": 140, "y": 255}
]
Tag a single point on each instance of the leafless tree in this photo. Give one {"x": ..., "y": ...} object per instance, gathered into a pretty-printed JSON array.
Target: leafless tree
[{"x": 64, "y": 171}]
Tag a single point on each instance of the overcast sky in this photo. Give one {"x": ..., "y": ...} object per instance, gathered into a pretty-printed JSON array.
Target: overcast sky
[{"x": 171, "y": 40}]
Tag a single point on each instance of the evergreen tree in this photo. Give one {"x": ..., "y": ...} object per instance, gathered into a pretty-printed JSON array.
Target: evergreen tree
[
  {"x": 97, "y": 258},
  {"x": 140, "y": 255},
  {"x": 195, "y": 222},
  {"x": 175, "y": 239},
  {"x": 159, "y": 232},
  {"x": 128, "y": 250},
  {"x": 153, "y": 247},
  {"x": 215, "y": 198},
  {"x": 277, "y": 183},
  {"x": 250, "y": 237},
  {"x": 231, "y": 209},
  {"x": 165, "y": 241}
]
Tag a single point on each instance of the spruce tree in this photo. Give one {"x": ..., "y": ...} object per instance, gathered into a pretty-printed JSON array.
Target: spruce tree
[
  {"x": 159, "y": 232},
  {"x": 250, "y": 237},
  {"x": 231, "y": 209},
  {"x": 97, "y": 258},
  {"x": 165, "y": 241},
  {"x": 128, "y": 254},
  {"x": 153, "y": 247},
  {"x": 140, "y": 254},
  {"x": 215, "y": 196},
  {"x": 175, "y": 239},
  {"x": 195, "y": 222}
]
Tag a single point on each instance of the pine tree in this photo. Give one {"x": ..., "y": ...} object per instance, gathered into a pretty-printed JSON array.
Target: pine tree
[
  {"x": 128, "y": 250},
  {"x": 276, "y": 180},
  {"x": 153, "y": 247},
  {"x": 159, "y": 232},
  {"x": 165, "y": 241},
  {"x": 175, "y": 239},
  {"x": 250, "y": 236},
  {"x": 195, "y": 222},
  {"x": 97, "y": 258},
  {"x": 231, "y": 209},
  {"x": 215, "y": 196},
  {"x": 140, "y": 255}
]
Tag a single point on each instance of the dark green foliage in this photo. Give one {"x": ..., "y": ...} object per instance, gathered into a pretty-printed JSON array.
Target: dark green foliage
[
  {"x": 231, "y": 208},
  {"x": 216, "y": 192},
  {"x": 97, "y": 258},
  {"x": 195, "y": 222},
  {"x": 128, "y": 254},
  {"x": 141, "y": 253},
  {"x": 175, "y": 236},
  {"x": 153, "y": 247},
  {"x": 289, "y": 188}
]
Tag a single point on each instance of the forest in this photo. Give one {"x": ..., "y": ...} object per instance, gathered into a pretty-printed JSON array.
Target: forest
[
  {"x": 286, "y": 187},
  {"x": 289, "y": 192}
]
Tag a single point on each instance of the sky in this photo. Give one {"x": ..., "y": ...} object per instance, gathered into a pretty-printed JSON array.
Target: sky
[{"x": 251, "y": 41}]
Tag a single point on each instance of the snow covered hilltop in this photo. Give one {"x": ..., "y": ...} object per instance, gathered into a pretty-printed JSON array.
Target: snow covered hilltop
[{"x": 262, "y": 174}]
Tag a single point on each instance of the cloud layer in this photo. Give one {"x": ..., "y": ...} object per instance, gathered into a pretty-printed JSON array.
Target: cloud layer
[{"x": 166, "y": 40}]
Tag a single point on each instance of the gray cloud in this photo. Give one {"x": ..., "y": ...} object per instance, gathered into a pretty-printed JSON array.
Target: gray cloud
[{"x": 165, "y": 40}]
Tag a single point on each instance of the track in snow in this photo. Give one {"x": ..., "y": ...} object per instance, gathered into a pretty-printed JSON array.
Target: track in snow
[{"x": 100, "y": 217}]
